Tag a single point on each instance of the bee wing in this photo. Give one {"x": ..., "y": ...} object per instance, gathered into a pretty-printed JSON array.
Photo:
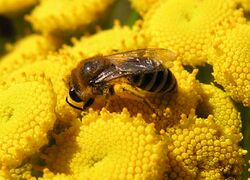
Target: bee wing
[
  {"x": 157, "y": 54},
  {"x": 134, "y": 62}
]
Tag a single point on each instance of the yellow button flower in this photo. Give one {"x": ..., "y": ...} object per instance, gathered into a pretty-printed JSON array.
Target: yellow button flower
[
  {"x": 219, "y": 104},
  {"x": 230, "y": 57},
  {"x": 191, "y": 133},
  {"x": 26, "y": 115},
  {"x": 62, "y": 15},
  {"x": 245, "y": 4},
  {"x": 48, "y": 175},
  {"x": 14, "y": 6},
  {"x": 198, "y": 147},
  {"x": 142, "y": 6},
  {"x": 106, "y": 42},
  {"x": 23, "y": 172},
  {"x": 57, "y": 67},
  {"x": 109, "y": 145},
  {"x": 25, "y": 51},
  {"x": 187, "y": 26}
]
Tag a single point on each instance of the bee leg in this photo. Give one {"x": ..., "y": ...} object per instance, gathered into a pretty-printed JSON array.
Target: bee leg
[
  {"x": 146, "y": 101},
  {"x": 152, "y": 107},
  {"x": 120, "y": 89},
  {"x": 108, "y": 91}
]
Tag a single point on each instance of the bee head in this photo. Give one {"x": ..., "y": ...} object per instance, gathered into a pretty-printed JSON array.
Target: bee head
[{"x": 79, "y": 94}]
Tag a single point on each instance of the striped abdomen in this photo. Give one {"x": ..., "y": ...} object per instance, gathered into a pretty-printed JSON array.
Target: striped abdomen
[{"x": 158, "y": 82}]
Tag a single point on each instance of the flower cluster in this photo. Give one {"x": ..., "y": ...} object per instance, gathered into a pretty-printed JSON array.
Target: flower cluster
[
  {"x": 193, "y": 132},
  {"x": 187, "y": 27},
  {"x": 27, "y": 114},
  {"x": 65, "y": 15},
  {"x": 109, "y": 145},
  {"x": 230, "y": 57},
  {"x": 26, "y": 51},
  {"x": 142, "y": 6},
  {"x": 15, "y": 6},
  {"x": 202, "y": 150}
]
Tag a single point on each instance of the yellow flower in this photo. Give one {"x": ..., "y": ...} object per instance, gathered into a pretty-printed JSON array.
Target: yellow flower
[
  {"x": 245, "y": 4},
  {"x": 23, "y": 172},
  {"x": 62, "y": 15},
  {"x": 26, "y": 51},
  {"x": 142, "y": 6},
  {"x": 208, "y": 147},
  {"x": 57, "y": 67},
  {"x": 26, "y": 115},
  {"x": 109, "y": 145},
  {"x": 48, "y": 175},
  {"x": 230, "y": 57},
  {"x": 187, "y": 26},
  {"x": 198, "y": 147},
  {"x": 191, "y": 133},
  {"x": 219, "y": 104},
  {"x": 14, "y": 6},
  {"x": 106, "y": 42},
  {"x": 213, "y": 174}
]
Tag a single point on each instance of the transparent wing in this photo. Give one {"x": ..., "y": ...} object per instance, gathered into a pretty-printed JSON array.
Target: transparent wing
[
  {"x": 134, "y": 62},
  {"x": 157, "y": 54}
]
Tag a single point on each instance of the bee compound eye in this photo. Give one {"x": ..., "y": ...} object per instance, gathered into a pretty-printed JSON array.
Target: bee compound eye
[
  {"x": 73, "y": 95},
  {"x": 90, "y": 67},
  {"x": 93, "y": 67}
]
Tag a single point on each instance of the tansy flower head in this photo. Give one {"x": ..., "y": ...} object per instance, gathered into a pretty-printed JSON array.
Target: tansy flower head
[
  {"x": 23, "y": 172},
  {"x": 230, "y": 57},
  {"x": 245, "y": 4},
  {"x": 112, "y": 146},
  {"x": 106, "y": 42},
  {"x": 142, "y": 6},
  {"x": 14, "y": 6},
  {"x": 66, "y": 15},
  {"x": 57, "y": 67},
  {"x": 191, "y": 132},
  {"x": 199, "y": 147},
  {"x": 186, "y": 26},
  {"x": 25, "y": 51},
  {"x": 2, "y": 175},
  {"x": 218, "y": 103},
  {"x": 26, "y": 115},
  {"x": 48, "y": 175}
]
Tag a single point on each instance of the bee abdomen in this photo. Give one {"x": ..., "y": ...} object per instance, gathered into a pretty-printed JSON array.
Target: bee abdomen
[{"x": 158, "y": 81}]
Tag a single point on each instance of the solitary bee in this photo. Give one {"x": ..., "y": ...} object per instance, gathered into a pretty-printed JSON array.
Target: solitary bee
[{"x": 138, "y": 72}]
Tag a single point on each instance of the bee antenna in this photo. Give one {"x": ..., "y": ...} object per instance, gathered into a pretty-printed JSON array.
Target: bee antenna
[{"x": 81, "y": 109}]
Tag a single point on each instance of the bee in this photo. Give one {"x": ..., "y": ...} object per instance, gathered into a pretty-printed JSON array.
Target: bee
[{"x": 139, "y": 72}]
